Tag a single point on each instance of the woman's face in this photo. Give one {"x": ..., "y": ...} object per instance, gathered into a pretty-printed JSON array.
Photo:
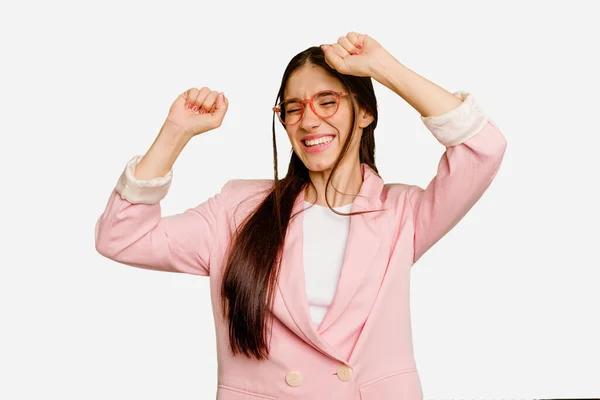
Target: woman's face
[{"x": 303, "y": 84}]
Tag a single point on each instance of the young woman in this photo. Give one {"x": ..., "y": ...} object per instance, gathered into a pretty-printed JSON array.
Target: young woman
[{"x": 309, "y": 302}]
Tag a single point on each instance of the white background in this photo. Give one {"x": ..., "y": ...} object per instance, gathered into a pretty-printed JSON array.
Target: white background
[{"x": 504, "y": 307}]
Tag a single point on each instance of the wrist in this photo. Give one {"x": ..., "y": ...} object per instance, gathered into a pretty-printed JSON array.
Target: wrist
[
  {"x": 163, "y": 152},
  {"x": 384, "y": 67},
  {"x": 174, "y": 133}
]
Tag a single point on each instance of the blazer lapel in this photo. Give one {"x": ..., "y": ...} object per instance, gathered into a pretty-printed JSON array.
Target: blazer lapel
[
  {"x": 292, "y": 286},
  {"x": 362, "y": 245}
]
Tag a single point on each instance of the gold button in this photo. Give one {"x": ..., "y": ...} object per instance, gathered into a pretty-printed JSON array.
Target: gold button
[
  {"x": 293, "y": 378},
  {"x": 344, "y": 372}
]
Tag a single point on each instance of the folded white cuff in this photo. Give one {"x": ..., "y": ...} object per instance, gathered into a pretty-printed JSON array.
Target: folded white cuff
[
  {"x": 459, "y": 124},
  {"x": 139, "y": 191}
]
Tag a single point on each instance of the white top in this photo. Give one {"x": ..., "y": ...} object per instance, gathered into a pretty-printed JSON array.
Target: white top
[{"x": 324, "y": 234}]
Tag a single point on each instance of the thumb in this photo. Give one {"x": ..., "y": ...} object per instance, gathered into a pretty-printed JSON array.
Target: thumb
[
  {"x": 220, "y": 109},
  {"x": 221, "y": 104},
  {"x": 181, "y": 99}
]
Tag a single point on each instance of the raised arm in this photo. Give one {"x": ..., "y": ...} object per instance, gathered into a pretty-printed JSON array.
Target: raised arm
[
  {"x": 474, "y": 151},
  {"x": 474, "y": 147},
  {"x": 131, "y": 229}
]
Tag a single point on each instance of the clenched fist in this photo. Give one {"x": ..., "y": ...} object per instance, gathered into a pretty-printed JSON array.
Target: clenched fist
[{"x": 198, "y": 110}]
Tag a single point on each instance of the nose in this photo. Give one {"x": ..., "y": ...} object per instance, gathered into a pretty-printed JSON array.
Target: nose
[{"x": 309, "y": 120}]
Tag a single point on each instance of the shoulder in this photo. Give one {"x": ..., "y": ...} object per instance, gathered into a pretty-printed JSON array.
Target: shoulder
[
  {"x": 395, "y": 191},
  {"x": 397, "y": 196},
  {"x": 240, "y": 187},
  {"x": 250, "y": 191}
]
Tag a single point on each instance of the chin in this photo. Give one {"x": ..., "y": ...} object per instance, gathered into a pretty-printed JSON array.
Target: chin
[
  {"x": 317, "y": 162},
  {"x": 319, "y": 165}
]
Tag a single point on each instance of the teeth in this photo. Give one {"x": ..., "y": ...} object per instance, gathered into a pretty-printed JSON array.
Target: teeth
[{"x": 324, "y": 139}]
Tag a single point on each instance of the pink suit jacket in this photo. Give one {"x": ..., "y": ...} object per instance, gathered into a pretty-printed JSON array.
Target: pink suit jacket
[{"x": 362, "y": 350}]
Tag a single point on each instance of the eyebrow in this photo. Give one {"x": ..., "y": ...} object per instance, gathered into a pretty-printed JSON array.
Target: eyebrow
[{"x": 296, "y": 98}]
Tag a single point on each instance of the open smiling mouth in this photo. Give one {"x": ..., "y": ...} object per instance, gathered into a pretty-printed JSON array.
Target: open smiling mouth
[{"x": 319, "y": 144}]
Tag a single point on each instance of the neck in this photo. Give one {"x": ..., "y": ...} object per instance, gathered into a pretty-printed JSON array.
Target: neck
[{"x": 345, "y": 185}]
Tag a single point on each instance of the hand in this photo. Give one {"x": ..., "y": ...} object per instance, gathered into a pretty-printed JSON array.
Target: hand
[
  {"x": 210, "y": 110},
  {"x": 354, "y": 54}
]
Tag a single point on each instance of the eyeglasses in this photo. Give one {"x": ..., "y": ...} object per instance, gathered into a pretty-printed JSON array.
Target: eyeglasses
[{"x": 324, "y": 104}]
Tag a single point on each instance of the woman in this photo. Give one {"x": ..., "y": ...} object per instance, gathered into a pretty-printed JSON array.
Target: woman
[{"x": 310, "y": 303}]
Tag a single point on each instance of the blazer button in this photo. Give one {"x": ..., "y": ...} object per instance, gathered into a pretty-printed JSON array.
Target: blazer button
[
  {"x": 293, "y": 378},
  {"x": 344, "y": 372}
]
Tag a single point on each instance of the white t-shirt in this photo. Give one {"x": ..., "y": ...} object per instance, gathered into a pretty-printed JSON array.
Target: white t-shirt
[{"x": 324, "y": 234}]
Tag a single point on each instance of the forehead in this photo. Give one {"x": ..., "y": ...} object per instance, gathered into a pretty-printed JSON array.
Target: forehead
[{"x": 308, "y": 80}]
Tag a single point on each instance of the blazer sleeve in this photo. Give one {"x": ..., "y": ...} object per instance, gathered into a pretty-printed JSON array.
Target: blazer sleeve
[
  {"x": 474, "y": 151},
  {"x": 131, "y": 230}
]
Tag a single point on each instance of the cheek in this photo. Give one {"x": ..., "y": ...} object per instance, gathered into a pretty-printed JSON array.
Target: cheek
[
  {"x": 342, "y": 124},
  {"x": 291, "y": 134}
]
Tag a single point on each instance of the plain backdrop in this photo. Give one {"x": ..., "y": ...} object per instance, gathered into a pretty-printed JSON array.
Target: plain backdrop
[{"x": 505, "y": 306}]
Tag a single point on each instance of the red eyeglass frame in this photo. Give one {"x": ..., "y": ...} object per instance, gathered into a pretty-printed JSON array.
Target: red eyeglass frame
[{"x": 309, "y": 101}]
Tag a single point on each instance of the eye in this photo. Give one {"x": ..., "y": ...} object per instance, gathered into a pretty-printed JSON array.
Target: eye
[
  {"x": 327, "y": 98},
  {"x": 328, "y": 103},
  {"x": 292, "y": 107}
]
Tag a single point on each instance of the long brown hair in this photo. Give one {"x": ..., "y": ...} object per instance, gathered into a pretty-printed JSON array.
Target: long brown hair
[{"x": 252, "y": 267}]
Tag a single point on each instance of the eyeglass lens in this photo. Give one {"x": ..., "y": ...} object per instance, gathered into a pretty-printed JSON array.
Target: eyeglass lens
[{"x": 325, "y": 105}]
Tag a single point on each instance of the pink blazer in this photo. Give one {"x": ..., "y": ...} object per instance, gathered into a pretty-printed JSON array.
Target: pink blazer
[{"x": 363, "y": 348}]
